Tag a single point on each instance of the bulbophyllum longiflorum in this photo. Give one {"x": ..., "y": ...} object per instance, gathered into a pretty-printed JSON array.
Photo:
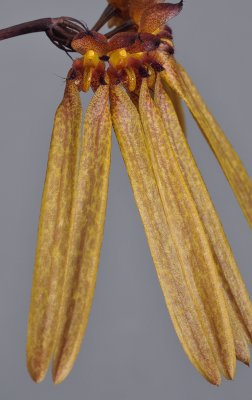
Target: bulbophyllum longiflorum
[{"x": 137, "y": 85}]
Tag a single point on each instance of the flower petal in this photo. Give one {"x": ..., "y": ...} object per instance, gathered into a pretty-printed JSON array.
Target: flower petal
[
  {"x": 178, "y": 296},
  {"x": 53, "y": 233},
  {"x": 86, "y": 231},
  {"x": 189, "y": 237},
  {"x": 176, "y": 77},
  {"x": 228, "y": 270}
]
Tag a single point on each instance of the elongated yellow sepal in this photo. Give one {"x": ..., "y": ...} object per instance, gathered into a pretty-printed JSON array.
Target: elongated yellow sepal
[
  {"x": 177, "y": 78},
  {"x": 189, "y": 237},
  {"x": 237, "y": 297},
  {"x": 176, "y": 101},
  {"x": 86, "y": 231},
  {"x": 179, "y": 295},
  {"x": 53, "y": 233}
]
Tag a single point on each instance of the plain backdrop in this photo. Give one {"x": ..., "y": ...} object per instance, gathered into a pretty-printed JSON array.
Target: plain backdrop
[{"x": 130, "y": 349}]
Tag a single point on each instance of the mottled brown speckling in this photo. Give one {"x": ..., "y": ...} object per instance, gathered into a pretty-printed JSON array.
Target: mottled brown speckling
[
  {"x": 170, "y": 269},
  {"x": 177, "y": 78},
  {"x": 237, "y": 298},
  {"x": 189, "y": 238},
  {"x": 138, "y": 88},
  {"x": 86, "y": 231}
]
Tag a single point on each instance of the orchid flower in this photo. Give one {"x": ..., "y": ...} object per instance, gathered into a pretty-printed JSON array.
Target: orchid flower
[{"x": 138, "y": 86}]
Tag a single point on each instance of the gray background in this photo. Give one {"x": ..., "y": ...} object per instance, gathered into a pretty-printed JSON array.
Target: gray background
[{"x": 130, "y": 349}]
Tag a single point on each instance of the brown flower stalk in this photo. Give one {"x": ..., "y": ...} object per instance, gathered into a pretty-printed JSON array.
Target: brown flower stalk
[{"x": 138, "y": 85}]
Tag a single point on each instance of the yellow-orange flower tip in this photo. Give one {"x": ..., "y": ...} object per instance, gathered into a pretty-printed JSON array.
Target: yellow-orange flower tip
[
  {"x": 36, "y": 373},
  {"x": 213, "y": 376},
  {"x": 231, "y": 371},
  {"x": 58, "y": 376}
]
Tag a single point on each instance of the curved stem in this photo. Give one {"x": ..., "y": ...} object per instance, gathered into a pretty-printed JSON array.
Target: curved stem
[
  {"x": 38, "y": 25},
  {"x": 61, "y": 31}
]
